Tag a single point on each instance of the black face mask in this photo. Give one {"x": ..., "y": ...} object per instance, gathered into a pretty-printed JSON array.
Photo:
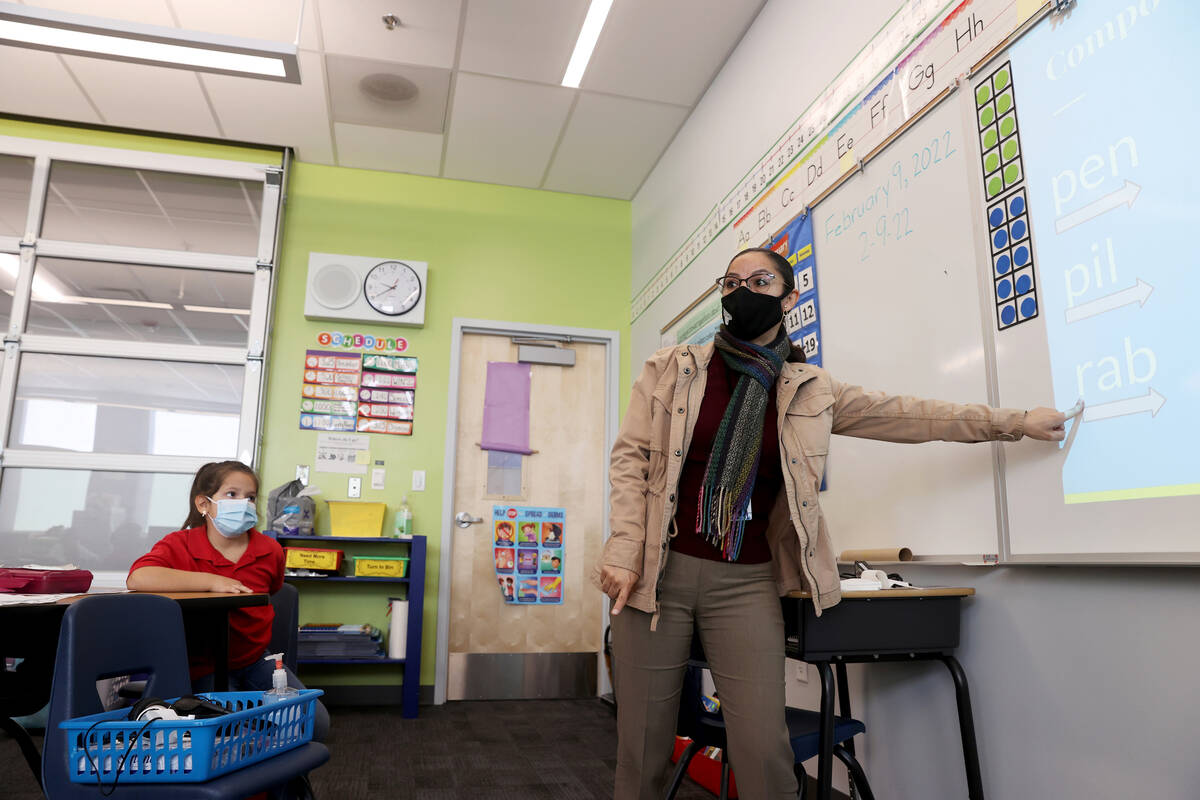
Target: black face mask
[{"x": 749, "y": 315}]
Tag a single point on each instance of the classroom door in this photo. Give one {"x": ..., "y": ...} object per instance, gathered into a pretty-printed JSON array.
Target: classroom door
[{"x": 508, "y": 637}]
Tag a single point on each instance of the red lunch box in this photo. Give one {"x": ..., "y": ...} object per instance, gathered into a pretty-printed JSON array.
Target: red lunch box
[{"x": 44, "y": 581}]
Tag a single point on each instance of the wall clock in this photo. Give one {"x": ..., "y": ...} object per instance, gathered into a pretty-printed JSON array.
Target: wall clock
[{"x": 366, "y": 289}]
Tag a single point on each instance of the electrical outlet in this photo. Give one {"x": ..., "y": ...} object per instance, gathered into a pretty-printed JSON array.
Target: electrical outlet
[
  {"x": 799, "y": 670},
  {"x": 354, "y": 488},
  {"x": 418, "y": 480}
]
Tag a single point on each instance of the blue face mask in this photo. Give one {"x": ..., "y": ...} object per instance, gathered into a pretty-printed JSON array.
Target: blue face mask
[{"x": 234, "y": 517}]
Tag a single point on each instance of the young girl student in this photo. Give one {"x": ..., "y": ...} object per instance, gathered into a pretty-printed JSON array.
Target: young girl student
[{"x": 219, "y": 550}]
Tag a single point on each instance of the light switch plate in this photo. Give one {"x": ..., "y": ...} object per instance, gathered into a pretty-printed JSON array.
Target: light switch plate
[
  {"x": 354, "y": 488},
  {"x": 378, "y": 474},
  {"x": 418, "y": 480}
]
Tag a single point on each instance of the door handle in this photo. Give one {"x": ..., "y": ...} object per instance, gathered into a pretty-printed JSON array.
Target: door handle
[{"x": 464, "y": 520}]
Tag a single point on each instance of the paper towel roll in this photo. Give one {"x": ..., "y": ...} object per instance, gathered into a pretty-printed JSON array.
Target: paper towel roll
[
  {"x": 879, "y": 555},
  {"x": 398, "y": 629}
]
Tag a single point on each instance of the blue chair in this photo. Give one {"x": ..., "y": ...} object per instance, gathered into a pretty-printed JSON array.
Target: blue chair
[
  {"x": 707, "y": 729},
  {"x": 107, "y": 635}
]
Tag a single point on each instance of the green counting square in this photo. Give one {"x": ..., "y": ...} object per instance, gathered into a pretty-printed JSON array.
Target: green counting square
[
  {"x": 991, "y": 161},
  {"x": 1001, "y": 79},
  {"x": 1013, "y": 173},
  {"x": 1008, "y": 125},
  {"x": 1010, "y": 149},
  {"x": 1004, "y": 102},
  {"x": 987, "y": 115},
  {"x": 994, "y": 185},
  {"x": 989, "y": 138},
  {"x": 983, "y": 94}
]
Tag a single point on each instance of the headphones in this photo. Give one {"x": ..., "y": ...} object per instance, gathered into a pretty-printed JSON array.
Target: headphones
[{"x": 189, "y": 706}]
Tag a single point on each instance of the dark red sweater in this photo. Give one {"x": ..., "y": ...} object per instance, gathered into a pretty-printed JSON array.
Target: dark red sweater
[{"x": 721, "y": 381}]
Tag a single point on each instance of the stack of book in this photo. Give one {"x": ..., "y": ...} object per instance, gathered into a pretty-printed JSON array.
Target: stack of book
[{"x": 334, "y": 641}]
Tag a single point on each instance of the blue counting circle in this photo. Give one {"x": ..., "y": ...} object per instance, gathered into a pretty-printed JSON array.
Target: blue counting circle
[
  {"x": 1002, "y": 264},
  {"x": 1021, "y": 255},
  {"x": 1018, "y": 229},
  {"x": 996, "y": 216},
  {"x": 1008, "y": 315},
  {"x": 1000, "y": 238},
  {"x": 1028, "y": 306},
  {"x": 1017, "y": 205},
  {"x": 1004, "y": 289},
  {"x": 1024, "y": 284}
]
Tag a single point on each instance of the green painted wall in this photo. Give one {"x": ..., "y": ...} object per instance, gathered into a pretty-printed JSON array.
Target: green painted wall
[
  {"x": 29, "y": 129},
  {"x": 494, "y": 252}
]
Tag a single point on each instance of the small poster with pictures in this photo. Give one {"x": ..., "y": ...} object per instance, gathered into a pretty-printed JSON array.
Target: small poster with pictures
[{"x": 527, "y": 543}]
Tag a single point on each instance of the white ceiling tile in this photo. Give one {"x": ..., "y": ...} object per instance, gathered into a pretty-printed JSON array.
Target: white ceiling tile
[
  {"x": 503, "y": 131},
  {"x": 273, "y": 20},
  {"x": 426, "y": 112},
  {"x": 366, "y": 147},
  {"x": 147, "y": 12},
  {"x": 528, "y": 39},
  {"x": 146, "y": 97},
  {"x": 45, "y": 88},
  {"x": 666, "y": 50},
  {"x": 610, "y": 145},
  {"x": 428, "y": 34},
  {"x": 271, "y": 112}
]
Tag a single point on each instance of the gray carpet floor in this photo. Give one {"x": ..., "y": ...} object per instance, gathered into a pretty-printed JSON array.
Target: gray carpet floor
[{"x": 511, "y": 750}]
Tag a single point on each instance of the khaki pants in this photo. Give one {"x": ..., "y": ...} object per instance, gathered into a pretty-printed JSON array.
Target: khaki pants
[{"x": 735, "y": 610}]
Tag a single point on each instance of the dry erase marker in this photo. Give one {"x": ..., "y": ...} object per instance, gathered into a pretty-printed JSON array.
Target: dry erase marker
[{"x": 1074, "y": 410}]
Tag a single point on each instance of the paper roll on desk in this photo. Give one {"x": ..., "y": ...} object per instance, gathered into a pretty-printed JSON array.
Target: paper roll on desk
[
  {"x": 398, "y": 629},
  {"x": 876, "y": 556}
]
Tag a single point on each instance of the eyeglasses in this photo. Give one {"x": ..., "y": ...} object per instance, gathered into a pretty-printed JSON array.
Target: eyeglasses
[{"x": 761, "y": 282}]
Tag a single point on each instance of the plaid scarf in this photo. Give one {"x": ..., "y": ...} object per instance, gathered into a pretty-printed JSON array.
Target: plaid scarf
[{"x": 733, "y": 462}]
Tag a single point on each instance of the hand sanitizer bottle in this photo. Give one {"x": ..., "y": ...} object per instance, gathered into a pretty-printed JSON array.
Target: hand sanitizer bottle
[
  {"x": 404, "y": 517},
  {"x": 279, "y": 686}
]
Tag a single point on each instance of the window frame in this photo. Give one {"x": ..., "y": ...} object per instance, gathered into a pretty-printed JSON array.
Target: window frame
[{"x": 30, "y": 247}]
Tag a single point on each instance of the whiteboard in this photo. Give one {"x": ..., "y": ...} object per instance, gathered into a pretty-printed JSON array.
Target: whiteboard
[
  {"x": 900, "y": 294},
  {"x": 1112, "y": 212}
]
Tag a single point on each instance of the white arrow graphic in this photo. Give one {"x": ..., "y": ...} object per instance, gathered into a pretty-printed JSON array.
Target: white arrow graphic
[
  {"x": 1151, "y": 401},
  {"x": 1123, "y": 196},
  {"x": 1134, "y": 294}
]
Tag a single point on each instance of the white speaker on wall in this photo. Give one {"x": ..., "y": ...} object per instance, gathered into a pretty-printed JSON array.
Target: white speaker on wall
[{"x": 365, "y": 289}]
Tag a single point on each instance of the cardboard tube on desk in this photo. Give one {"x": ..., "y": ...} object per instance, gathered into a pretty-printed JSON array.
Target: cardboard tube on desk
[{"x": 880, "y": 555}]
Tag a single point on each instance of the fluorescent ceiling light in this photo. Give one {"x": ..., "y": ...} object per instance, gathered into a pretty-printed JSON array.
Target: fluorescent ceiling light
[
  {"x": 46, "y": 289},
  {"x": 42, "y": 29},
  {"x": 593, "y": 23},
  {"x": 245, "y": 312},
  {"x": 112, "y": 301}
]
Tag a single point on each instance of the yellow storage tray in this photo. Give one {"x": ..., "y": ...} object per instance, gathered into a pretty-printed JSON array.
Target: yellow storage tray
[
  {"x": 312, "y": 558},
  {"x": 380, "y": 566},
  {"x": 356, "y": 518}
]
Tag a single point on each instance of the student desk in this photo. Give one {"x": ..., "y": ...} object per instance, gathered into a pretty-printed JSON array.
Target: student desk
[
  {"x": 873, "y": 626},
  {"x": 31, "y": 632}
]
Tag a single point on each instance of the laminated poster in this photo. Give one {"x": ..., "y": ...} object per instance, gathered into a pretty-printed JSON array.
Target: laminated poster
[
  {"x": 358, "y": 392},
  {"x": 527, "y": 544}
]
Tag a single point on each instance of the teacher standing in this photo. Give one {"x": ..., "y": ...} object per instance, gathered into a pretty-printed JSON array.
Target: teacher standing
[{"x": 715, "y": 515}]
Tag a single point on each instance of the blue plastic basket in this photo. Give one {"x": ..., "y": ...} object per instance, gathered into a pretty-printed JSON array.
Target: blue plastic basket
[{"x": 108, "y": 746}]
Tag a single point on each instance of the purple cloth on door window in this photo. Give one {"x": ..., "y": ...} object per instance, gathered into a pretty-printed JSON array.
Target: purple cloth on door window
[{"x": 506, "y": 408}]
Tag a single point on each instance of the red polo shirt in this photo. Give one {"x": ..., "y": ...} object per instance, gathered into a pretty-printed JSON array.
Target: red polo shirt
[{"x": 260, "y": 568}]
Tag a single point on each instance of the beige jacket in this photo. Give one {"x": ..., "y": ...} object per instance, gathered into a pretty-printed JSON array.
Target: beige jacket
[{"x": 657, "y": 430}]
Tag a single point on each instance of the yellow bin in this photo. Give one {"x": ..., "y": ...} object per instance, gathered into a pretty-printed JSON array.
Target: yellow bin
[{"x": 356, "y": 518}]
